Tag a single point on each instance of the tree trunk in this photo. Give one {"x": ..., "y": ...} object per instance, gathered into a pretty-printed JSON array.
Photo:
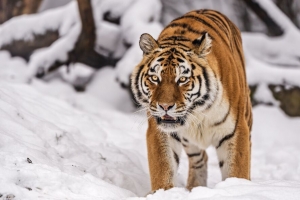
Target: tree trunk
[
  {"x": 84, "y": 51},
  {"x": 12, "y": 8},
  {"x": 273, "y": 28},
  {"x": 288, "y": 7},
  {"x": 84, "y": 48}
]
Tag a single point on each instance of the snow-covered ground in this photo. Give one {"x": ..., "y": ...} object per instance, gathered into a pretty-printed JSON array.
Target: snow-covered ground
[{"x": 59, "y": 144}]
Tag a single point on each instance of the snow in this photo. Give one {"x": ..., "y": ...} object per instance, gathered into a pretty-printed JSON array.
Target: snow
[
  {"x": 264, "y": 95},
  {"x": 282, "y": 50},
  {"x": 233, "y": 188},
  {"x": 26, "y": 26},
  {"x": 261, "y": 72},
  {"x": 274, "y": 12},
  {"x": 146, "y": 15},
  {"x": 56, "y": 143},
  {"x": 43, "y": 58}
]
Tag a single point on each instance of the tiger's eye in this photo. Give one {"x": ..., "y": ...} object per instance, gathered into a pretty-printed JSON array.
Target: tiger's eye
[
  {"x": 154, "y": 78},
  {"x": 182, "y": 79}
]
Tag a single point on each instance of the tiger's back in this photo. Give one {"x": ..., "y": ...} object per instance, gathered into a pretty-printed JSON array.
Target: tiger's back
[{"x": 204, "y": 49}]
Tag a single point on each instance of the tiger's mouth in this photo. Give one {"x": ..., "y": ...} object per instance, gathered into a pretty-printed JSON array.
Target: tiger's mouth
[{"x": 170, "y": 120}]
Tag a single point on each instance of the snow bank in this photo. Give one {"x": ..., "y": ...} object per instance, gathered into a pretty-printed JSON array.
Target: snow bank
[
  {"x": 70, "y": 153},
  {"x": 24, "y": 27},
  {"x": 12, "y": 69},
  {"x": 55, "y": 143},
  {"x": 282, "y": 50},
  {"x": 234, "y": 188},
  {"x": 141, "y": 17}
]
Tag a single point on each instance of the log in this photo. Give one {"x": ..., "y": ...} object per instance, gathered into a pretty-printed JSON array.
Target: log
[
  {"x": 84, "y": 51},
  {"x": 273, "y": 28},
  {"x": 12, "y": 8},
  {"x": 24, "y": 49}
]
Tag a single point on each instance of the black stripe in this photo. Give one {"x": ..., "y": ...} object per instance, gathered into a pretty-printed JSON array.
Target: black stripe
[
  {"x": 184, "y": 139},
  {"x": 153, "y": 68},
  {"x": 201, "y": 159},
  {"x": 183, "y": 45},
  {"x": 180, "y": 60},
  {"x": 205, "y": 23},
  {"x": 201, "y": 11},
  {"x": 219, "y": 17},
  {"x": 175, "y": 136},
  {"x": 186, "y": 71},
  {"x": 206, "y": 79},
  {"x": 227, "y": 137},
  {"x": 224, "y": 118},
  {"x": 176, "y": 157},
  {"x": 198, "y": 167},
  {"x": 177, "y": 38},
  {"x": 198, "y": 93},
  {"x": 197, "y": 42},
  {"x": 182, "y": 25},
  {"x": 161, "y": 59},
  {"x": 164, "y": 53},
  {"x": 149, "y": 62},
  {"x": 179, "y": 54},
  {"x": 221, "y": 26},
  {"x": 193, "y": 154},
  {"x": 145, "y": 92},
  {"x": 193, "y": 85},
  {"x": 136, "y": 83},
  {"x": 167, "y": 45}
]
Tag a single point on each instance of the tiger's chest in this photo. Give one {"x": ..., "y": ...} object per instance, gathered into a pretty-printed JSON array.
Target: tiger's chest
[{"x": 208, "y": 127}]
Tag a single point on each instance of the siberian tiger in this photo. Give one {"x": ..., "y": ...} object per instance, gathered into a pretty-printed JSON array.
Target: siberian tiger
[{"x": 193, "y": 84}]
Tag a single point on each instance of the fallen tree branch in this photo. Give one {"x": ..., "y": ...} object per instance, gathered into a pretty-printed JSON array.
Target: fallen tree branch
[
  {"x": 12, "y": 8},
  {"x": 274, "y": 29}
]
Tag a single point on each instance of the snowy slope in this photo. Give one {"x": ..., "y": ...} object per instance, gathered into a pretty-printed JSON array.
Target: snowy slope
[{"x": 59, "y": 144}]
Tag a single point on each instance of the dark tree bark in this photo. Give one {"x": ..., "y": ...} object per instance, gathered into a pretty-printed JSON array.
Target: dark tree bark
[
  {"x": 83, "y": 51},
  {"x": 24, "y": 49},
  {"x": 287, "y": 7},
  {"x": 243, "y": 14},
  {"x": 12, "y": 8},
  {"x": 273, "y": 28}
]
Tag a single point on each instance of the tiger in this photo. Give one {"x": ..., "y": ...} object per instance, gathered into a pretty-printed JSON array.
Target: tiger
[{"x": 192, "y": 83}]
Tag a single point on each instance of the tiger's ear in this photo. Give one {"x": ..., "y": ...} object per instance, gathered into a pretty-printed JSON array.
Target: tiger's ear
[
  {"x": 202, "y": 45},
  {"x": 147, "y": 43}
]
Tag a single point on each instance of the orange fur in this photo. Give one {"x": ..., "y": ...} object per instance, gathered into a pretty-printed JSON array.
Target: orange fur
[{"x": 192, "y": 81}]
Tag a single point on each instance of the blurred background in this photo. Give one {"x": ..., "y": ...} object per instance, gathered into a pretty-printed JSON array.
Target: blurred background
[{"x": 92, "y": 45}]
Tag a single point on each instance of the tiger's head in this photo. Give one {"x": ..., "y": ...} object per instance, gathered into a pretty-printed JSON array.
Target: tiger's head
[{"x": 172, "y": 81}]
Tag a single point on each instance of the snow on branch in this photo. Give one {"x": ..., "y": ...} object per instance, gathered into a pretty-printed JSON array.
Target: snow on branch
[
  {"x": 277, "y": 15},
  {"x": 25, "y": 27},
  {"x": 141, "y": 17},
  {"x": 282, "y": 50}
]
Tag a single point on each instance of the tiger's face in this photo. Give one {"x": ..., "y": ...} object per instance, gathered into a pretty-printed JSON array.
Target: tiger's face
[{"x": 171, "y": 82}]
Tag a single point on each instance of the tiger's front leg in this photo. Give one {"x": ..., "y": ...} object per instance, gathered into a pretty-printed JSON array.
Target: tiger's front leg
[
  {"x": 234, "y": 152},
  {"x": 163, "y": 157}
]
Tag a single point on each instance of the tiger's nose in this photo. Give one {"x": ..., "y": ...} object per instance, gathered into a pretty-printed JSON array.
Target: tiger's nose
[{"x": 166, "y": 106}]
